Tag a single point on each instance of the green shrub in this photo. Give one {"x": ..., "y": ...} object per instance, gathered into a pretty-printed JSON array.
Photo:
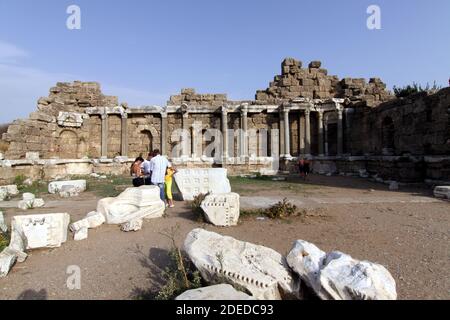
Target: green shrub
[
  {"x": 19, "y": 181},
  {"x": 180, "y": 275},
  {"x": 406, "y": 91},
  {"x": 4, "y": 240},
  {"x": 281, "y": 210}
]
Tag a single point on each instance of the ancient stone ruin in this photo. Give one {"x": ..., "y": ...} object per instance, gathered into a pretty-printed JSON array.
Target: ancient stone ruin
[{"x": 345, "y": 126}]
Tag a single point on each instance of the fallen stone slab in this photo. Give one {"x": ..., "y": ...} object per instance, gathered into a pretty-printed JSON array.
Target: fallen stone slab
[
  {"x": 33, "y": 232},
  {"x": 261, "y": 271},
  {"x": 222, "y": 209},
  {"x": 192, "y": 182},
  {"x": 128, "y": 210},
  {"x": 337, "y": 276},
  {"x": 8, "y": 191},
  {"x": 56, "y": 186},
  {"x": 217, "y": 292},
  {"x": 442, "y": 192}
]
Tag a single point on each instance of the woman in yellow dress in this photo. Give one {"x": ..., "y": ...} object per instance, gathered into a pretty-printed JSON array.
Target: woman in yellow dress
[{"x": 168, "y": 185}]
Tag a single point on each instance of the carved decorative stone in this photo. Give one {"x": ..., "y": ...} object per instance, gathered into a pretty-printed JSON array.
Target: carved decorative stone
[
  {"x": 260, "y": 270},
  {"x": 222, "y": 209},
  {"x": 71, "y": 119},
  {"x": 33, "y": 232},
  {"x": 192, "y": 182}
]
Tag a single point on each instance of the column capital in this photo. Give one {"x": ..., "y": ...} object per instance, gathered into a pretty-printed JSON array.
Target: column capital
[
  {"x": 244, "y": 108},
  {"x": 104, "y": 116},
  {"x": 224, "y": 109},
  {"x": 163, "y": 115},
  {"x": 307, "y": 112},
  {"x": 124, "y": 115}
]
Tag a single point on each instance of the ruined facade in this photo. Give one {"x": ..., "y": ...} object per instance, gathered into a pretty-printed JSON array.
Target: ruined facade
[{"x": 344, "y": 125}]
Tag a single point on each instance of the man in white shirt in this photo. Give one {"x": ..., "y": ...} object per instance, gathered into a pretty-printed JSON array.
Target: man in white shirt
[
  {"x": 158, "y": 167},
  {"x": 146, "y": 169}
]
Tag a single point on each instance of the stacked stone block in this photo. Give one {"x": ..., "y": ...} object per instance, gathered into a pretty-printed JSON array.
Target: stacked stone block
[
  {"x": 315, "y": 83},
  {"x": 190, "y": 97}
]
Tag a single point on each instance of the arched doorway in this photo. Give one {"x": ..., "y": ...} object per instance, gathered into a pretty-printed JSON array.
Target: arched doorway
[
  {"x": 147, "y": 142},
  {"x": 388, "y": 136},
  {"x": 67, "y": 145}
]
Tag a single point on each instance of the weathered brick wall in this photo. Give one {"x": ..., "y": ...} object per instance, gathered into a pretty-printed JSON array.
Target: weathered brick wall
[
  {"x": 41, "y": 132},
  {"x": 418, "y": 125},
  {"x": 144, "y": 134},
  {"x": 315, "y": 83}
]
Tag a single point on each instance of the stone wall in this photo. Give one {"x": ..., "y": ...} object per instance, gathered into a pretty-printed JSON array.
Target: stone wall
[
  {"x": 346, "y": 117},
  {"x": 315, "y": 83},
  {"x": 418, "y": 125}
]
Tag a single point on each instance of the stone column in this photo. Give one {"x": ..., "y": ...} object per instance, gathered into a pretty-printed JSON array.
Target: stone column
[
  {"x": 340, "y": 134},
  {"x": 320, "y": 128},
  {"x": 308, "y": 132},
  {"x": 104, "y": 135},
  {"x": 244, "y": 130},
  {"x": 281, "y": 135},
  {"x": 124, "y": 140},
  {"x": 301, "y": 132},
  {"x": 185, "y": 150},
  {"x": 225, "y": 134},
  {"x": 164, "y": 134},
  {"x": 326, "y": 136},
  {"x": 287, "y": 140}
]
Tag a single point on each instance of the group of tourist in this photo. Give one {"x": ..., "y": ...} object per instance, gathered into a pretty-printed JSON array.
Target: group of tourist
[{"x": 155, "y": 170}]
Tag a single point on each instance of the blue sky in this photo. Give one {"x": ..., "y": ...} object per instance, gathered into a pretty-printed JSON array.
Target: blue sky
[{"x": 143, "y": 51}]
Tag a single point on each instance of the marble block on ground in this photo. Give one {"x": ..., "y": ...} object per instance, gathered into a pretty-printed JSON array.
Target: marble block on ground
[
  {"x": 222, "y": 209},
  {"x": 57, "y": 186},
  {"x": 337, "y": 276},
  {"x": 217, "y": 292},
  {"x": 8, "y": 191},
  {"x": 442, "y": 192},
  {"x": 192, "y": 182}
]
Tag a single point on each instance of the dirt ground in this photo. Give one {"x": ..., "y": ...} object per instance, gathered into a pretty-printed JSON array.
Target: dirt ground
[{"x": 406, "y": 231}]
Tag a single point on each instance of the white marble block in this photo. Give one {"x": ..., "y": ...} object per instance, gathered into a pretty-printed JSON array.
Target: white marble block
[
  {"x": 442, "y": 192},
  {"x": 261, "y": 271},
  {"x": 337, "y": 276},
  {"x": 133, "y": 203},
  {"x": 30, "y": 202},
  {"x": 57, "y": 186},
  {"x": 33, "y": 232},
  {"x": 128, "y": 209},
  {"x": 8, "y": 191},
  {"x": 192, "y": 182},
  {"x": 222, "y": 209},
  {"x": 217, "y": 292}
]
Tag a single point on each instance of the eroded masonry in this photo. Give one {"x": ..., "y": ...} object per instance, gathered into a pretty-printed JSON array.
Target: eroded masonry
[{"x": 347, "y": 126}]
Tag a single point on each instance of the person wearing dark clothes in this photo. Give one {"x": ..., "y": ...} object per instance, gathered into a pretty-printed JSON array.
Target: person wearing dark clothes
[{"x": 137, "y": 173}]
